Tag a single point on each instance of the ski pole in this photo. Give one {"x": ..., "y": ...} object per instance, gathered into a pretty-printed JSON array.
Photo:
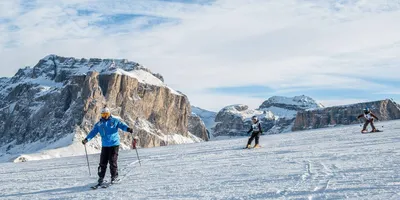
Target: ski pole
[
  {"x": 87, "y": 159},
  {"x": 134, "y": 146}
]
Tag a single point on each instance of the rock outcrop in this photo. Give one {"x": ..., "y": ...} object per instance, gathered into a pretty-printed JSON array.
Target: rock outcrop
[
  {"x": 197, "y": 127},
  {"x": 345, "y": 115}
]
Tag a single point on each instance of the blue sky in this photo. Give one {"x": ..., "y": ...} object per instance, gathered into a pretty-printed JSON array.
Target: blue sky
[{"x": 222, "y": 52}]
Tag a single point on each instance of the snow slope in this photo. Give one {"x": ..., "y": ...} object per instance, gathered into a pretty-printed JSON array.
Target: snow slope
[{"x": 336, "y": 163}]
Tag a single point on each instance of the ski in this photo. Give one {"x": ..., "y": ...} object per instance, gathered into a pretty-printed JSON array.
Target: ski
[
  {"x": 252, "y": 147},
  {"x": 376, "y": 131}
]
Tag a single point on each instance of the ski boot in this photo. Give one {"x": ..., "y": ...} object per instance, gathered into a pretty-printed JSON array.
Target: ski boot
[
  {"x": 100, "y": 181},
  {"x": 364, "y": 131},
  {"x": 247, "y": 147},
  {"x": 257, "y": 146},
  {"x": 114, "y": 179}
]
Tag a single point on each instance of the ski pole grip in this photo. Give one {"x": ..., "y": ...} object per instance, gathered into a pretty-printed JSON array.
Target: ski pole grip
[{"x": 134, "y": 142}]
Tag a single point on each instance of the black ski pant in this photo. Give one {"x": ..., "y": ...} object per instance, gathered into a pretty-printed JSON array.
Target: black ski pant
[
  {"x": 255, "y": 135},
  {"x": 368, "y": 122},
  {"x": 108, "y": 155}
]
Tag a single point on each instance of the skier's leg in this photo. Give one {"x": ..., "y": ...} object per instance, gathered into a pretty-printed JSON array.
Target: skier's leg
[
  {"x": 113, "y": 162},
  {"x": 365, "y": 125},
  {"x": 103, "y": 163},
  {"x": 251, "y": 139},
  {"x": 257, "y": 139},
  {"x": 372, "y": 125}
]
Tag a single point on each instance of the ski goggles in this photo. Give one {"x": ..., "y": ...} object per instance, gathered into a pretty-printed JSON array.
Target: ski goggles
[{"x": 105, "y": 115}]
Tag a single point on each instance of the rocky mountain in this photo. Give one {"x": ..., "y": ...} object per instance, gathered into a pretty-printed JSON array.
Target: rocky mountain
[
  {"x": 197, "y": 126},
  {"x": 235, "y": 120},
  {"x": 344, "y": 115},
  {"x": 277, "y": 114},
  {"x": 56, "y": 103},
  {"x": 297, "y": 103}
]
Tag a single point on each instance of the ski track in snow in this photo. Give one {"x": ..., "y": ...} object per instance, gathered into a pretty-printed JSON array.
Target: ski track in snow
[{"x": 336, "y": 163}]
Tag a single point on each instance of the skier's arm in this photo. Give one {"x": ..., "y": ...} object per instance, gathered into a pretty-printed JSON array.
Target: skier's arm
[
  {"x": 374, "y": 116},
  {"x": 92, "y": 133},
  {"x": 359, "y": 116},
  {"x": 259, "y": 126},
  {"x": 124, "y": 127},
  {"x": 251, "y": 129}
]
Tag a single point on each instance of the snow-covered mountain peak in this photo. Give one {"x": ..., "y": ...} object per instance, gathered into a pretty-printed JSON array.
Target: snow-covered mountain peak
[
  {"x": 245, "y": 113},
  {"x": 236, "y": 107},
  {"x": 56, "y": 69},
  {"x": 291, "y": 103}
]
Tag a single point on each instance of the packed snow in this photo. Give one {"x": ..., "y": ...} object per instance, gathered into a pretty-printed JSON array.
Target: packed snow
[{"x": 334, "y": 163}]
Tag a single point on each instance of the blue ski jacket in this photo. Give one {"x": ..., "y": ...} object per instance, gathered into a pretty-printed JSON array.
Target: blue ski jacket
[{"x": 108, "y": 129}]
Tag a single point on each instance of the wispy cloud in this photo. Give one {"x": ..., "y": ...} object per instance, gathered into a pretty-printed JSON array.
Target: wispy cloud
[{"x": 199, "y": 46}]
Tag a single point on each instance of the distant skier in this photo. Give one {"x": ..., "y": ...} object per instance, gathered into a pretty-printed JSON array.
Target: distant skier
[
  {"x": 256, "y": 132},
  {"x": 369, "y": 119},
  {"x": 108, "y": 128}
]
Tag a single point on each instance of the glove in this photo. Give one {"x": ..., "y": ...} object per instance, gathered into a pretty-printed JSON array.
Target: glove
[
  {"x": 84, "y": 141},
  {"x": 130, "y": 130}
]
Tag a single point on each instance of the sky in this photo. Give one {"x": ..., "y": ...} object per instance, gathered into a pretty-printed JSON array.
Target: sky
[{"x": 221, "y": 52}]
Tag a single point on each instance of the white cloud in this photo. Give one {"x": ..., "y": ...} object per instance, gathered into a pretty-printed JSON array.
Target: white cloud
[
  {"x": 9, "y": 9},
  {"x": 279, "y": 44}
]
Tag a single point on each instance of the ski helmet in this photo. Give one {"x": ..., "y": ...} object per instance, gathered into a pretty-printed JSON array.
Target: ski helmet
[
  {"x": 367, "y": 110},
  {"x": 254, "y": 118},
  {"x": 105, "y": 113}
]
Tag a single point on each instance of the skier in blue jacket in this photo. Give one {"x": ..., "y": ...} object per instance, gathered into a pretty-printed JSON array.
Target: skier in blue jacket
[{"x": 108, "y": 128}]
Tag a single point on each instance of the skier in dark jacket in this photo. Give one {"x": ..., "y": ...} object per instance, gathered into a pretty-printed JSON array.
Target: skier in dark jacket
[
  {"x": 256, "y": 132},
  {"x": 369, "y": 119},
  {"x": 108, "y": 128}
]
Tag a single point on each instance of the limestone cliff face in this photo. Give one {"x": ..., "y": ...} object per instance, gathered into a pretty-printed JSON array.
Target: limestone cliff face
[
  {"x": 344, "y": 115},
  {"x": 132, "y": 101},
  {"x": 62, "y": 97}
]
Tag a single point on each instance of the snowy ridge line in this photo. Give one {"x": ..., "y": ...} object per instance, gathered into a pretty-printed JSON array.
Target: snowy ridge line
[{"x": 43, "y": 73}]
